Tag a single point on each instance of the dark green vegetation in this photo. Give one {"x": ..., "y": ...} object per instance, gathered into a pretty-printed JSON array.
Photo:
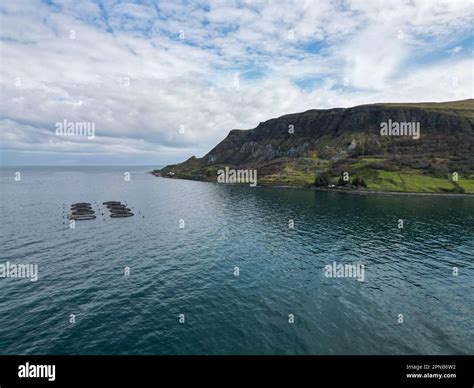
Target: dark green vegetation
[{"x": 326, "y": 143}]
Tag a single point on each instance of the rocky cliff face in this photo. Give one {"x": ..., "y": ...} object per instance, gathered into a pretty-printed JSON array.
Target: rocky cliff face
[
  {"x": 335, "y": 136},
  {"x": 442, "y": 129}
]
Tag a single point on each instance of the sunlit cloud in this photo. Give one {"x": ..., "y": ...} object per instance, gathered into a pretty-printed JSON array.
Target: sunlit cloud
[{"x": 165, "y": 80}]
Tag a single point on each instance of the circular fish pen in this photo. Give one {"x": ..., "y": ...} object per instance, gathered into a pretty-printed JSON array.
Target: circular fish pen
[
  {"x": 82, "y": 211},
  {"x": 121, "y": 215},
  {"x": 80, "y": 208},
  {"x": 82, "y": 217},
  {"x": 118, "y": 209}
]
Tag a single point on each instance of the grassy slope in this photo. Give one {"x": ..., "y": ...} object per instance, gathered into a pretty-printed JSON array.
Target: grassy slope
[
  {"x": 303, "y": 171},
  {"x": 377, "y": 180}
]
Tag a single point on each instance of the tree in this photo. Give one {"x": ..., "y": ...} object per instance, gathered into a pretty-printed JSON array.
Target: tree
[
  {"x": 342, "y": 181},
  {"x": 322, "y": 180},
  {"x": 359, "y": 182}
]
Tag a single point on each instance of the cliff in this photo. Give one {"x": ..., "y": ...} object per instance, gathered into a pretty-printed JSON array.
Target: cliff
[{"x": 296, "y": 148}]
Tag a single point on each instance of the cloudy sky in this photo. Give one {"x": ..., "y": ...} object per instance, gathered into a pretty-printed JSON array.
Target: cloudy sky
[{"x": 164, "y": 80}]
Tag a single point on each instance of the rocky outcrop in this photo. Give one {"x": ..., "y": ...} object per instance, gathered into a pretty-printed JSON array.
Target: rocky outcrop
[{"x": 446, "y": 129}]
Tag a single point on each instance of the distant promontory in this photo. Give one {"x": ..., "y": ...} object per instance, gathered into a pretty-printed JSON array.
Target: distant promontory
[{"x": 397, "y": 147}]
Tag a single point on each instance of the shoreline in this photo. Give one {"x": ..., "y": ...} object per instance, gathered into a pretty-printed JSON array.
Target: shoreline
[
  {"x": 344, "y": 191},
  {"x": 373, "y": 192}
]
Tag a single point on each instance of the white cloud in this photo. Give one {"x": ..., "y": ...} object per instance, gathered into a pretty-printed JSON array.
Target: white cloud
[
  {"x": 128, "y": 71},
  {"x": 455, "y": 50}
]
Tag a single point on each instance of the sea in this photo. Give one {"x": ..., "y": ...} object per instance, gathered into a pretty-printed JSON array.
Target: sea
[{"x": 214, "y": 269}]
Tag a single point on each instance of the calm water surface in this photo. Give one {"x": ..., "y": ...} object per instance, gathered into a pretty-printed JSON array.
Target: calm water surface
[{"x": 190, "y": 271}]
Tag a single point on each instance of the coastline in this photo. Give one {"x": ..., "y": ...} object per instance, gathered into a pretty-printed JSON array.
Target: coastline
[
  {"x": 343, "y": 191},
  {"x": 373, "y": 192}
]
